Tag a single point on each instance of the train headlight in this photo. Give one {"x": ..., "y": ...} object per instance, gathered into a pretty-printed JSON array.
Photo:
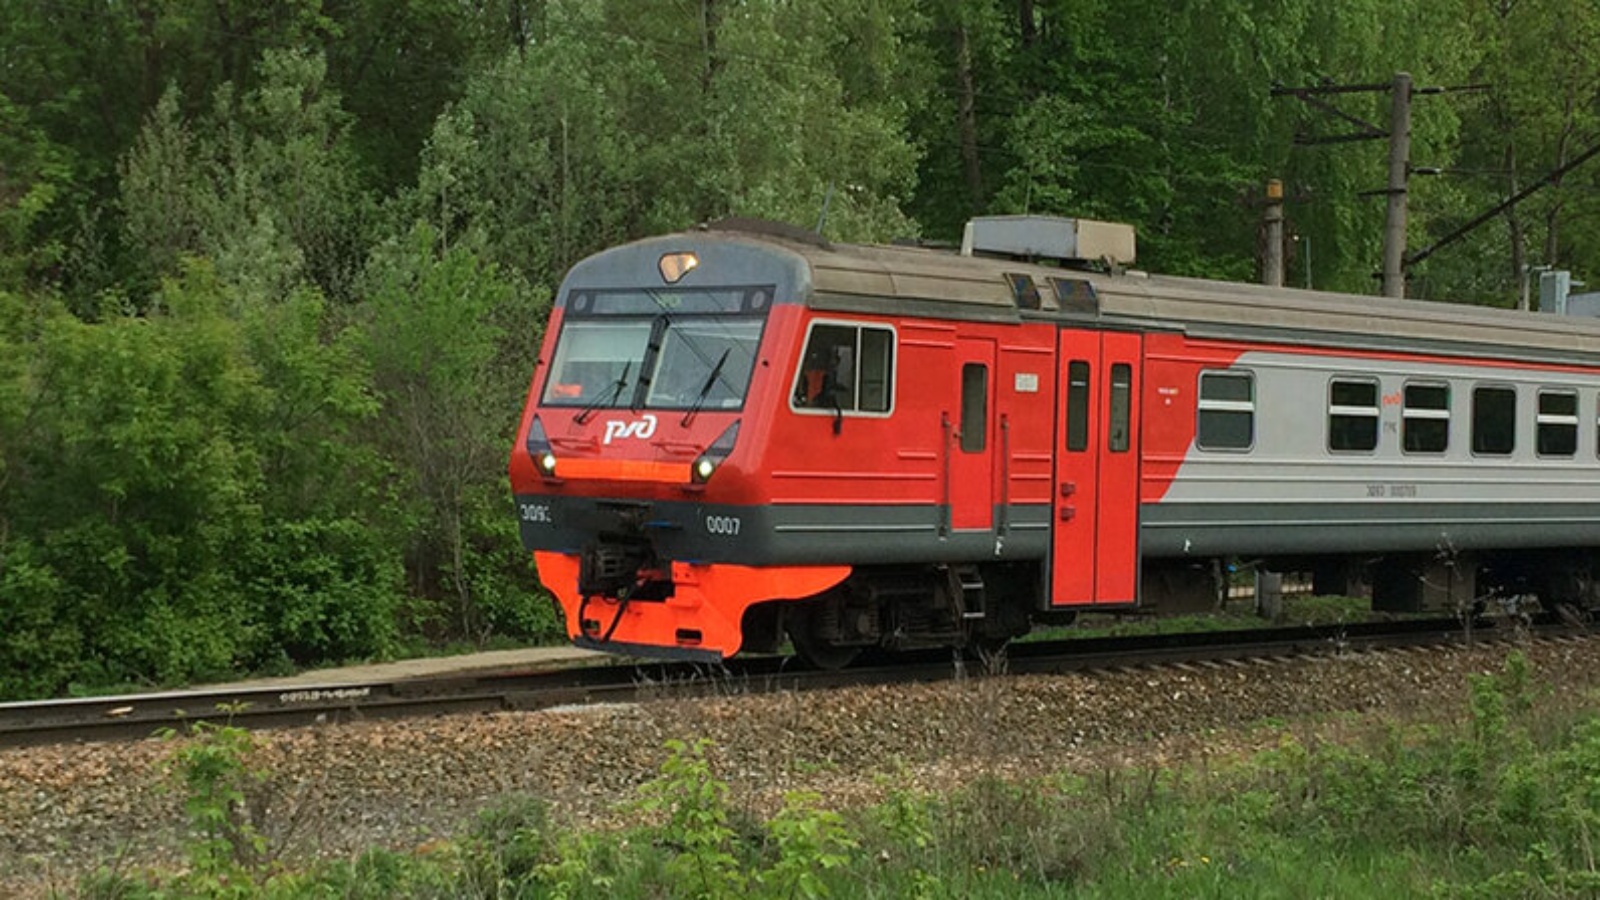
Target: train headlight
[
  {"x": 674, "y": 266},
  {"x": 706, "y": 464},
  {"x": 544, "y": 458}
]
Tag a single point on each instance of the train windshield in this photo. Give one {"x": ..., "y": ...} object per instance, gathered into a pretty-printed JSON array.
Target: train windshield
[{"x": 657, "y": 349}]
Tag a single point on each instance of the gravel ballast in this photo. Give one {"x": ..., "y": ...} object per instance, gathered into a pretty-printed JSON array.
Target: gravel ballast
[{"x": 334, "y": 790}]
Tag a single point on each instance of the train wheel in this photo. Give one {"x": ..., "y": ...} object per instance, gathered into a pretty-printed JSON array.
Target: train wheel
[{"x": 816, "y": 650}]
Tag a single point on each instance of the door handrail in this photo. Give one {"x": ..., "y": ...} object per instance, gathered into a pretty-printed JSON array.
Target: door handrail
[{"x": 944, "y": 506}]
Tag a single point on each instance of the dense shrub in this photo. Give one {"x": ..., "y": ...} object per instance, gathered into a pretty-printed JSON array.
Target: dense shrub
[{"x": 181, "y": 495}]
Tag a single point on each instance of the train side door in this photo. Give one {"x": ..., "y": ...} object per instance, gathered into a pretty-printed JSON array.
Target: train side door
[
  {"x": 1094, "y": 554},
  {"x": 971, "y": 437}
]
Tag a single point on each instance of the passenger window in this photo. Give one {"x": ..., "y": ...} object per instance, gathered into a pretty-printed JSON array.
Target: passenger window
[
  {"x": 1558, "y": 423},
  {"x": 1425, "y": 425},
  {"x": 974, "y": 407},
  {"x": 1226, "y": 411},
  {"x": 1077, "y": 406},
  {"x": 846, "y": 368},
  {"x": 1494, "y": 420},
  {"x": 1121, "y": 390},
  {"x": 1352, "y": 415}
]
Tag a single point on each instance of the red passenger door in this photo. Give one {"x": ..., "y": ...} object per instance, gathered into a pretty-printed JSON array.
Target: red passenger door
[
  {"x": 969, "y": 442},
  {"x": 1094, "y": 555}
]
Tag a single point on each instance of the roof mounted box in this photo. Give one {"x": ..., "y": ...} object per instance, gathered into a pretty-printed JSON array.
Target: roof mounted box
[{"x": 1050, "y": 237}]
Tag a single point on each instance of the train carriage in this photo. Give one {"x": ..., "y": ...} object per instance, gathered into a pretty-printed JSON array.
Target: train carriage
[{"x": 745, "y": 431}]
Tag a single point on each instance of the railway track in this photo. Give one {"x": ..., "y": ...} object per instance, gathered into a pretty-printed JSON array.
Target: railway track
[{"x": 138, "y": 716}]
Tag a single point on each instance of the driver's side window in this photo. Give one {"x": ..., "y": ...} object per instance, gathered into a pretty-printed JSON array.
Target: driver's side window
[{"x": 846, "y": 368}]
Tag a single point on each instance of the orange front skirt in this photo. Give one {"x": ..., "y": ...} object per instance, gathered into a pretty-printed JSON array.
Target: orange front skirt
[{"x": 701, "y": 619}]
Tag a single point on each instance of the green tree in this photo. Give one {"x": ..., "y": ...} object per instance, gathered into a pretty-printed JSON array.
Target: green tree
[
  {"x": 87, "y": 75},
  {"x": 1162, "y": 117},
  {"x": 182, "y": 494},
  {"x": 623, "y": 123},
  {"x": 266, "y": 184},
  {"x": 449, "y": 336},
  {"x": 35, "y": 172},
  {"x": 1538, "y": 62}
]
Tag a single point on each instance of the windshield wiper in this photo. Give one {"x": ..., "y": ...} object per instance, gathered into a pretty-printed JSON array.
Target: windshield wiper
[
  {"x": 652, "y": 350},
  {"x": 705, "y": 389},
  {"x": 616, "y": 391}
]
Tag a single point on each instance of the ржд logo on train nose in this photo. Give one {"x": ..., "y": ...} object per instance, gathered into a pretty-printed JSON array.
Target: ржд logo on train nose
[{"x": 642, "y": 429}]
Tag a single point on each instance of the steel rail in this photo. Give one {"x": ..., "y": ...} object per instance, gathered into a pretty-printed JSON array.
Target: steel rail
[{"x": 131, "y": 717}]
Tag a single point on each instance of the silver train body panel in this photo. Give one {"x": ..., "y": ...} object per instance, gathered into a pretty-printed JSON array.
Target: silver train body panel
[{"x": 1290, "y": 494}]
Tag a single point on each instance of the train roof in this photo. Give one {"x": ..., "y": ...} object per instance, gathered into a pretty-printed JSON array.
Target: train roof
[{"x": 919, "y": 280}]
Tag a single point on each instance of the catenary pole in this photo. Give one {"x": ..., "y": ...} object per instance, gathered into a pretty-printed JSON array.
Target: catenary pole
[
  {"x": 1272, "y": 220},
  {"x": 1394, "y": 228}
]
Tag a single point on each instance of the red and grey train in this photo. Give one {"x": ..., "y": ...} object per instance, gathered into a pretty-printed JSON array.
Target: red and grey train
[{"x": 745, "y": 431}]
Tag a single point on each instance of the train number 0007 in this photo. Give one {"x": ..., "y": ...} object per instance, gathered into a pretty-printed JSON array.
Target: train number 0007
[{"x": 722, "y": 524}]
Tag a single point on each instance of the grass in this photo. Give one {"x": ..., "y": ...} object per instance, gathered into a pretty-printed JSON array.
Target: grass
[{"x": 1504, "y": 802}]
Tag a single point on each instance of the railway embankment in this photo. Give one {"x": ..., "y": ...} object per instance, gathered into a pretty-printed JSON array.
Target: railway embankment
[{"x": 331, "y": 792}]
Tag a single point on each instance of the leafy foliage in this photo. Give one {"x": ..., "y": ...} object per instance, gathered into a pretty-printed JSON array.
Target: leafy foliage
[
  {"x": 695, "y": 805},
  {"x": 212, "y": 770},
  {"x": 35, "y": 174},
  {"x": 276, "y": 271},
  {"x": 181, "y": 500},
  {"x": 809, "y": 844},
  {"x": 448, "y": 336},
  {"x": 264, "y": 184}
]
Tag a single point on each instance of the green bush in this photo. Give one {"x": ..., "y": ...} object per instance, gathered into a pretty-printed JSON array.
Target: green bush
[
  {"x": 183, "y": 498},
  {"x": 322, "y": 590},
  {"x": 511, "y": 839},
  {"x": 695, "y": 805},
  {"x": 40, "y": 639}
]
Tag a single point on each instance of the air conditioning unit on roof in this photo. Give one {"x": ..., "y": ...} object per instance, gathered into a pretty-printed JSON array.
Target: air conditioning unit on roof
[{"x": 1049, "y": 237}]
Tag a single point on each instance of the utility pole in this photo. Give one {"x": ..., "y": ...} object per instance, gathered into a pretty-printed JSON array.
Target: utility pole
[
  {"x": 1527, "y": 276},
  {"x": 1272, "y": 222},
  {"x": 1394, "y": 227},
  {"x": 1401, "y": 90}
]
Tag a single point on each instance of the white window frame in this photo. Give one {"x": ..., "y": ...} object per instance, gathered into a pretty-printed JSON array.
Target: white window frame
[
  {"x": 1355, "y": 412},
  {"x": 1203, "y": 405},
  {"x": 1426, "y": 412},
  {"x": 894, "y": 370},
  {"x": 1542, "y": 418}
]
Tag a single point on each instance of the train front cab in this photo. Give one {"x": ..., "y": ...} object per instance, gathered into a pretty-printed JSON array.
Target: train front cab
[
  {"x": 638, "y": 466},
  {"x": 884, "y": 491}
]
